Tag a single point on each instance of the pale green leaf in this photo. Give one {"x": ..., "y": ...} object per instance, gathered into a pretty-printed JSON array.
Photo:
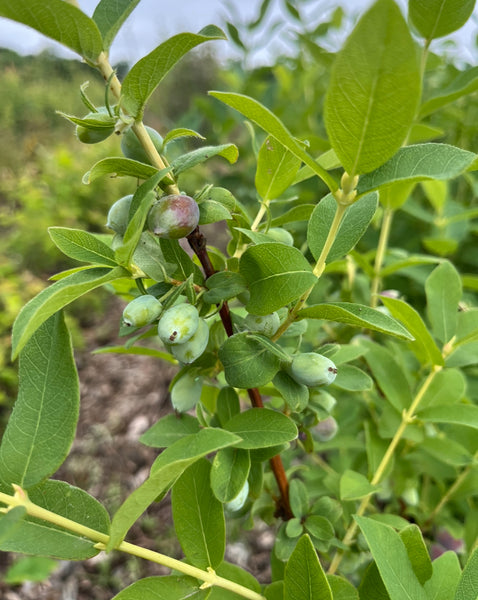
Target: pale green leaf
[
  {"x": 262, "y": 116},
  {"x": 459, "y": 414},
  {"x": 55, "y": 297},
  {"x": 276, "y": 169},
  {"x": 138, "y": 350},
  {"x": 357, "y": 315},
  {"x": 110, "y": 15},
  {"x": 375, "y": 75},
  {"x": 465, "y": 83},
  {"x": 43, "y": 423},
  {"x": 247, "y": 363},
  {"x": 304, "y": 576},
  {"x": 199, "y": 517},
  {"x": 423, "y": 345},
  {"x": 82, "y": 246},
  {"x": 196, "y": 157},
  {"x": 168, "y": 587},
  {"x": 417, "y": 552},
  {"x": 169, "y": 429},
  {"x": 276, "y": 274},
  {"x": 58, "y": 20},
  {"x": 261, "y": 428},
  {"x": 443, "y": 289},
  {"x": 353, "y": 225},
  {"x": 120, "y": 167},
  {"x": 392, "y": 560},
  {"x": 418, "y": 163},
  {"x": 444, "y": 580},
  {"x": 468, "y": 585},
  {"x": 436, "y": 18},
  {"x": 147, "y": 73},
  {"x": 164, "y": 472},
  {"x": 354, "y": 486}
]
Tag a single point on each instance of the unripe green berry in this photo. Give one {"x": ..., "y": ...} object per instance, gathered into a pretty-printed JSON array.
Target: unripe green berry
[
  {"x": 102, "y": 126},
  {"x": 189, "y": 351},
  {"x": 281, "y": 235},
  {"x": 173, "y": 217},
  {"x": 118, "y": 215},
  {"x": 132, "y": 147},
  {"x": 238, "y": 502},
  {"x": 326, "y": 429},
  {"x": 142, "y": 311},
  {"x": 266, "y": 324},
  {"x": 312, "y": 369},
  {"x": 178, "y": 324}
]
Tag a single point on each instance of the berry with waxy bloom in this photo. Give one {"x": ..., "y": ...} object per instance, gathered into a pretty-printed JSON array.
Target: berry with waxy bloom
[{"x": 173, "y": 217}]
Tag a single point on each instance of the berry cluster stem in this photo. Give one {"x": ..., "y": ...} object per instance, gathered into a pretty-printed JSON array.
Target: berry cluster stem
[{"x": 197, "y": 241}]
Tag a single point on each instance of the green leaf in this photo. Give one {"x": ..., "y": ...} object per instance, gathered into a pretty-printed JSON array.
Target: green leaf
[
  {"x": 10, "y": 521},
  {"x": 43, "y": 423},
  {"x": 448, "y": 386},
  {"x": 121, "y": 167},
  {"x": 353, "y": 226},
  {"x": 352, "y": 379},
  {"x": 181, "y": 132},
  {"x": 55, "y": 297},
  {"x": 319, "y": 527},
  {"x": 147, "y": 254},
  {"x": 276, "y": 274},
  {"x": 417, "y": 552},
  {"x": 236, "y": 574},
  {"x": 147, "y": 73},
  {"x": 82, "y": 246},
  {"x": 169, "y": 587},
  {"x": 138, "y": 350},
  {"x": 224, "y": 285},
  {"x": 423, "y": 345},
  {"x": 46, "y": 539},
  {"x": 295, "y": 394},
  {"x": 436, "y": 18},
  {"x": 447, "y": 451},
  {"x": 30, "y": 568},
  {"x": 229, "y": 472},
  {"x": 418, "y": 163},
  {"x": 465, "y": 83},
  {"x": 443, "y": 290},
  {"x": 301, "y": 212},
  {"x": 304, "y": 577},
  {"x": 276, "y": 169},
  {"x": 392, "y": 560},
  {"x": 395, "y": 195},
  {"x": 175, "y": 255},
  {"x": 342, "y": 589},
  {"x": 459, "y": 414},
  {"x": 261, "y": 428},
  {"x": 199, "y": 517},
  {"x": 468, "y": 585},
  {"x": 354, "y": 486},
  {"x": 299, "y": 499},
  {"x": 110, "y": 15},
  {"x": 166, "y": 469},
  {"x": 198, "y": 156},
  {"x": 371, "y": 586},
  {"x": 375, "y": 75},
  {"x": 58, "y": 20},
  {"x": 357, "y": 315},
  {"x": 169, "y": 429},
  {"x": 247, "y": 362},
  {"x": 262, "y": 116},
  {"x": 389, "y": 376},
  {"x": 444, "y": 580}
]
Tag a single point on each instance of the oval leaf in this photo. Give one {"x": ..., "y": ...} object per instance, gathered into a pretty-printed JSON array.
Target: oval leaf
[
  {"x": 436, "y": 18},
  {"x": 277, "y": 274},
  {"x": 42, "y": 427},
  {"x": 353, "y": 226},
  {"x": 357, "y": 315},
  {"x": 147, "y": 73},
  {"x": 375, "y": 75},
  {"x": 82, "y": 246},
  {"x": 261, "y": 428}
]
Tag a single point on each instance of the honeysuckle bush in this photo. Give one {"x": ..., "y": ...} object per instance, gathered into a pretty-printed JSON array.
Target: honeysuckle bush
[{"x": 309, "y": 395}]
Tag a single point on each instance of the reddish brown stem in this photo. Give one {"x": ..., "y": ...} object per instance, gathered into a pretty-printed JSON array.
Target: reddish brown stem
[{"x": 197, "y": 241}]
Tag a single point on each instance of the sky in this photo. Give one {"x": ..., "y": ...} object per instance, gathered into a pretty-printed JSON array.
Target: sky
[{"x": 153, "y": 21}]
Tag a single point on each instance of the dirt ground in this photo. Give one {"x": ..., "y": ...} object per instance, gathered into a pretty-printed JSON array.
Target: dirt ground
[{"x": 121, "y": 397}]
